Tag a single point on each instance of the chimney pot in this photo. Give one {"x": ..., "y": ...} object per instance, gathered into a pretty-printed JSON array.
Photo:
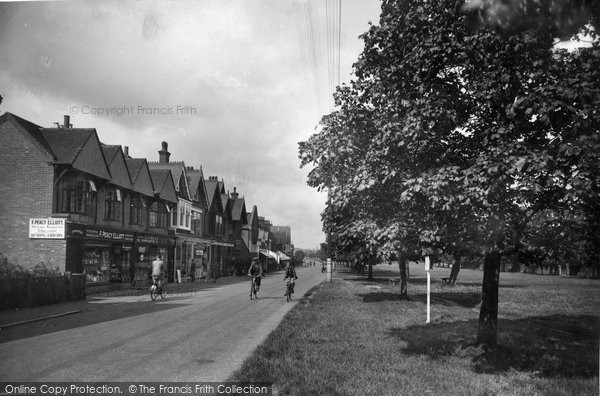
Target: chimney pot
[
  {"x": 163, "y": 155},
  {"x": 126, "y": 150},
  {"x": 67, "y": 120}
]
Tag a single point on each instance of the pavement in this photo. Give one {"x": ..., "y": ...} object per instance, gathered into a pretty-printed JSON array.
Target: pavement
[{"x": 20, "y": 316}]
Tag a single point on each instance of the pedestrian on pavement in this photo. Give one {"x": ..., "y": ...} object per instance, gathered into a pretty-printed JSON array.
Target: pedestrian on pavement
[{"x": 193, "y": 270}]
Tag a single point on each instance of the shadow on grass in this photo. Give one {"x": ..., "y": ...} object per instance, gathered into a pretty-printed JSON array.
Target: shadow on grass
[
  {"x": 383, "y": 296},
  {"x": 466, "y": 300},
  {"x": 459, "y": 284},
  {"x": 555, "y": 345}
]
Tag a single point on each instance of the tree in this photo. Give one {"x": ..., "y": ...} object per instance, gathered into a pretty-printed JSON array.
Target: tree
[
  {"x": 449, "y": 133},
  {"x": 299, "y": 256}
]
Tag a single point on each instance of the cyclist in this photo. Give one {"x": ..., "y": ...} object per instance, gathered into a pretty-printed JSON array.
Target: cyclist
[
  {"x": 290, "y": 273},
  {"x": 255, "y": 270},
  {"x": 158, "y": 271}
]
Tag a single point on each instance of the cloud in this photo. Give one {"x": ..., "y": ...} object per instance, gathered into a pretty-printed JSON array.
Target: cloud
[{"x": 228, "y": 79}]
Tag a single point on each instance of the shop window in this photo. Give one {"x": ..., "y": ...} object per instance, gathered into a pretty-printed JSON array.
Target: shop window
[
  {"x": 112, "y": 204},
  {"x": 96, "y": 264},
  {"x": 135, "y": 210},
  {"x": 77, "y": 195}
]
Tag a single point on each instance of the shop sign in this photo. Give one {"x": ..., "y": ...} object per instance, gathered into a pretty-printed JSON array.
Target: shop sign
[
  {"x": 151, "y": 239},
  {"x": 97, "y": 233},
  {"x": 48, "y": 228},
  {"x": 75, "y": 230}
]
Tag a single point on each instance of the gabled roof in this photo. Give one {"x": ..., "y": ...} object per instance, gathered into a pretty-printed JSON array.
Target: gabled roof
[
  {"x": 238, "y": 210},
  {"x": 117, "y": 166},
  {"x": 29, "y": 127},
  {"x": 251, "y": 217},
  {"x": 140, "y": 176},
  {"x": 79, "y": 148},
  {"x": 197, "y": 187},
  {"x": 225, "y": 203},
  {"x": 211, "y": 190},
  {"x": 163, "y": 185},
  {"x": 179, "y": 176}
]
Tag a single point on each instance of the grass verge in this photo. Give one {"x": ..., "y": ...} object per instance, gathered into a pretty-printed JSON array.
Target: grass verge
[{"x": 357, "y": 337}]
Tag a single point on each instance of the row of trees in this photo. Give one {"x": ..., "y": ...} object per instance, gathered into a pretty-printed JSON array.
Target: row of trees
[{"x": 466, "y": 131}]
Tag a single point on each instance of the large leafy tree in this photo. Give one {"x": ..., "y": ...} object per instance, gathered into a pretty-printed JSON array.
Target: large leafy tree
[{"x": 450, "y": 133}]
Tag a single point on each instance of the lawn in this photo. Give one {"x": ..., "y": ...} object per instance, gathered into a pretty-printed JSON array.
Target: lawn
[{"x": 357, "y": 337}]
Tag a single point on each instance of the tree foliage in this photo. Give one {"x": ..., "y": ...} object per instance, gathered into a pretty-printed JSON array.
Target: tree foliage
[{"x": 452, "y": 137}]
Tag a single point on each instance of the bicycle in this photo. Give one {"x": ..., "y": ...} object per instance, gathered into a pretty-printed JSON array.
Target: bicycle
[
  {"x": 289, "y": 289},
  {"x": 253, "y": 290},
  {"x": 160, "y": 289}
]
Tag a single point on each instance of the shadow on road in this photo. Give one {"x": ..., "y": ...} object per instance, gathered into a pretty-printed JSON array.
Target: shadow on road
[{"x": 91, "y": 313}]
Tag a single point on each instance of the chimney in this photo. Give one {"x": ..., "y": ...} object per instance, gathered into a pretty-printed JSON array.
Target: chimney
[
  {"x": 126, "y": 151},
  {"x": 234, "y": 194},
  {"x": 67, "y": 122},
  {"x": 163, "y": 155}
]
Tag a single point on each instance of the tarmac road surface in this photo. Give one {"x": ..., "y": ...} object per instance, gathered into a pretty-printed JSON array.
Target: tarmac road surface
[{"x": 198, "y": 336}]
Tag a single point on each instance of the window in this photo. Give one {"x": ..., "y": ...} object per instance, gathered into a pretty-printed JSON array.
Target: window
[
  {"x": 187, "y": 217},
  {"x": 158, "y": 216},
  {"x": 135, "y": 210},
  {"x": 219, "y": 225},
  {"x": 174, "y": 216},
  {"x": 112, "y": 204},
  {"x": 77, "y": 195},
  {"x": 197, "y": 222}
]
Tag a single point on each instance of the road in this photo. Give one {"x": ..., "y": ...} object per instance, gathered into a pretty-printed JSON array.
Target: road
[{"x": 198, "y": 336}]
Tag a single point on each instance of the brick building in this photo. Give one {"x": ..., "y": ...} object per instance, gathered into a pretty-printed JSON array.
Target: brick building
[{"x": 77, "y": 205}]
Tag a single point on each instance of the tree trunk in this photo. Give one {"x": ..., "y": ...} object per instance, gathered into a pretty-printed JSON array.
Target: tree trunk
[
  {"x": 488, "y": 316},
  {"x": 455, "y": 267},
  {"x": 370, "y": 277},
  {"x": 403, "y": 275}
]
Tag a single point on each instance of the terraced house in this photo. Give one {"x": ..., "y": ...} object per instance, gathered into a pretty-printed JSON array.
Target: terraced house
[{"x": 72, "y": 203}]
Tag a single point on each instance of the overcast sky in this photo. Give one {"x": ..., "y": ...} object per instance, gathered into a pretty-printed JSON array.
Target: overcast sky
[{"x": 231, "y": 85}]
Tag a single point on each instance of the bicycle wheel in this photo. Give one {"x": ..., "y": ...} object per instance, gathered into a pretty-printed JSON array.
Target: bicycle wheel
[
  {"x": 153, "y": 293},
  {"x": 252, "y": 289},
  {"x": 163, "y": 291}
]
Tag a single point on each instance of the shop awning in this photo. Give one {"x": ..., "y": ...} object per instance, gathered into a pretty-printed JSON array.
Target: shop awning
[
  {"x": 269, "y": 253},
  {"x": 283, "y": 256}
]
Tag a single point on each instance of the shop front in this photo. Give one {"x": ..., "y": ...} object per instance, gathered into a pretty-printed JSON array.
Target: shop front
[
  {"x": 146, "y": 248},
  {"x": 191, "y": 256},
  {"x": 102, "y": 254}
]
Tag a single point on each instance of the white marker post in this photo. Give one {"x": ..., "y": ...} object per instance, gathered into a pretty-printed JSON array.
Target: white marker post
[
  {"x": 329, "y": 270},
  {"x": 428, "y": 289}
]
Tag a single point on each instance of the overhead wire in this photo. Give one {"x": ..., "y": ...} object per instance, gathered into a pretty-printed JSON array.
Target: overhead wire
[{"x": 322, "y": 58}]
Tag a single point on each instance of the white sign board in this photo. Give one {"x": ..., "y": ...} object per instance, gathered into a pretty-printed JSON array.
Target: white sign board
[
  {"x": 427, "y": 266},
  {"x": 48, "y": 228}
]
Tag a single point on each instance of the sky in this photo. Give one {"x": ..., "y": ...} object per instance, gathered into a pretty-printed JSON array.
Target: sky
[{"x": 230, "y": 85}]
